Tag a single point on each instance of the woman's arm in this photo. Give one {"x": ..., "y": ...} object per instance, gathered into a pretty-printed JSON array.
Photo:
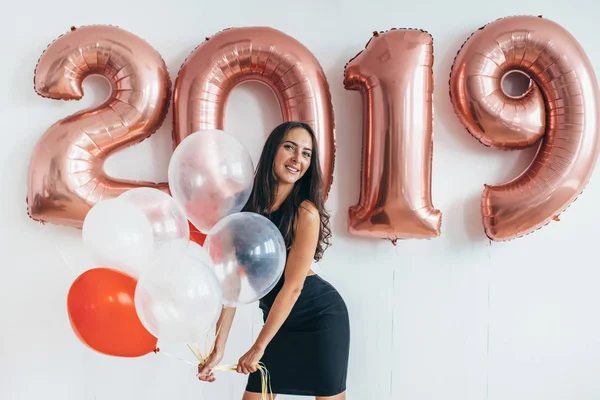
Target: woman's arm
[
  {"x": 223, "y": 327},
  {"x": 299, "y": 261}
]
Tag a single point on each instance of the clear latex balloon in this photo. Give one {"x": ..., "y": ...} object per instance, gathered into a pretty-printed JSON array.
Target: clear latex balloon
[
  {"x": 211, "y": 175},
  {"x": 248, "y": 254},
  {"x": 180, "y": 302},
  {"x": 118, "y": 235},
  {"x": 170, "y": 228}
]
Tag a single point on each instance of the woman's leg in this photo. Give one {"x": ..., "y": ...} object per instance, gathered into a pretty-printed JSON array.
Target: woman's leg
[
  {"x": 256, "y": 396},
  {"x": 341, "y": 396}
]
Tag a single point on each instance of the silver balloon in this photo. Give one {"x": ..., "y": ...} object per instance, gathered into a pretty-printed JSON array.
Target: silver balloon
[
  {"x": 248, "y": 254},
  {"x": 170, "y": 228},
  {"x": 211, "y": 176},
  {"x": 182, "y": 302}
]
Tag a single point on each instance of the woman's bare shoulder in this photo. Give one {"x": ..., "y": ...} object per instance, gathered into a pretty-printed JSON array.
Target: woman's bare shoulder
[{"x": 307, "y": 209}]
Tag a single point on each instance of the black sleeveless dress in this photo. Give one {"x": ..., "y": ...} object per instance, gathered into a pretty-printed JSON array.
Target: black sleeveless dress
[{"x": 309, "y": 354}]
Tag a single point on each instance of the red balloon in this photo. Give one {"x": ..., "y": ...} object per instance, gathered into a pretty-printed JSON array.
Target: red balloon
[
  {"x": 195, "y": 235},
  {"x": 102, "y": 313}
]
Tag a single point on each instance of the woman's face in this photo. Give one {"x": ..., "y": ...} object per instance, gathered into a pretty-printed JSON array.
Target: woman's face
[{"x": 293, "y": 156}]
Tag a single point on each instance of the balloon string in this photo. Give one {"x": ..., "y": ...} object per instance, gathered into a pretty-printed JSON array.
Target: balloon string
[
  {"x": 159, "y": 351},
  {"x": 266, "y": 390},
  {"x": 266, "y": 393}
]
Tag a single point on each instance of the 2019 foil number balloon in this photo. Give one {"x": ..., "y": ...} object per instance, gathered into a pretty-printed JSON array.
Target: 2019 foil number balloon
[
  {"x": 66, "y": 176},
  {"x": 561, "y": 106},
  {"x": 395, "y": 78},
  {"x": 560, "y": 110},
  {"x": 261, "y": 54}
]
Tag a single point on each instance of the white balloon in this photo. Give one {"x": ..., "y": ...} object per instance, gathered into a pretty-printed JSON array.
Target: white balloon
[
  {"x": 169, "y": 223},
  {"x": 211, "y": 175},
  {"x": 180, "y": 303},
  {"x": 118, "y": 235},
  {"x": 249, "y": 255}
]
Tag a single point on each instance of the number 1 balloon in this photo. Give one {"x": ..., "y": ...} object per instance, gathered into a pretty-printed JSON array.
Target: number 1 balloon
[{"x": 395, "y": 78}]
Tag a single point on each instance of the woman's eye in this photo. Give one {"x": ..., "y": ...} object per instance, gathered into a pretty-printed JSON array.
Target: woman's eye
[
  {"x": 306, "y": 154},
  {"x": 288, "y": 147}
]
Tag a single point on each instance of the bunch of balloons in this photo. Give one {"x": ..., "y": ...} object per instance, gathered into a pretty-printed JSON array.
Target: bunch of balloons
[{"x": 154, "y": 283}]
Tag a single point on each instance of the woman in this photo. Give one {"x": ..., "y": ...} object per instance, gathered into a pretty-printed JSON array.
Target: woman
[{"x": 304, "y": 343}]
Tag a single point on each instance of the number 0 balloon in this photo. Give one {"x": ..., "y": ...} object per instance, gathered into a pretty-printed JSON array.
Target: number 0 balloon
[{"x": 262, "y": 54}]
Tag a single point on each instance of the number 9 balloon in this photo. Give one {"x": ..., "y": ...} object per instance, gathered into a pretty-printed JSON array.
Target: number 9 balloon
[{"x": 561, "y": 106}]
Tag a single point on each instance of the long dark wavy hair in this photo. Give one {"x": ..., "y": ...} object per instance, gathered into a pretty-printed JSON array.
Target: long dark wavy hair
[{"x": 309, "y": 187}]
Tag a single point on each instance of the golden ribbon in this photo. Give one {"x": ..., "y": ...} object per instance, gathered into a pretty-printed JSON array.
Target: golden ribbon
[{"x": 266, "y": 391}]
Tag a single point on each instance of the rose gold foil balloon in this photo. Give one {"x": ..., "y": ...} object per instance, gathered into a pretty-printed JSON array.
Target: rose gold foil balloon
[
  {"x": 394, "y": 77},
  {"x": 66, "y": 176},
  {"x": 561, "y": 106},
  {"x": 262, "y": 54}
]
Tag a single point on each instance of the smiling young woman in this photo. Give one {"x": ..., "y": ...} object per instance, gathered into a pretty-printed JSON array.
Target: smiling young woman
[{"x": 305, "y": 340}]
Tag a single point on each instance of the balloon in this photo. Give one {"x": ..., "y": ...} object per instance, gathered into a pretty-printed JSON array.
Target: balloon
[
  {"x": 249, "y": 255},
  {"x": 394, "y": 76},
  {"x": 66, "y": 176},
  {"x": 118, "y": 234},
  {"x": 196, "y": 236},
  {"x": 211, "y": 175},
  {"x": 170, "y": 229},
  {"x": 261, "y": 54},
  {"x": 180, "y": 303},
  {"x": 560, "y": 106},
  {"x": 102, "y": 313}
]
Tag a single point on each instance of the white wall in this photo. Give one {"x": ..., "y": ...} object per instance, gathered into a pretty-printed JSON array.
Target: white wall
[{"x": 455, "y": 318}]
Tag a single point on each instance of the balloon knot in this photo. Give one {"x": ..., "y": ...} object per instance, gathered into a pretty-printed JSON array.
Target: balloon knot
[
  {"x": 156, "y": 350},
  {"x": 539, "y": 16},
  {"x": 73, "y": 28},
  {"x": 375, "y": 33}
]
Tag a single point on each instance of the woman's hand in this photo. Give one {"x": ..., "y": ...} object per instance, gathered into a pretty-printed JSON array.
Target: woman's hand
[
  {"x": 205, "y": 372},
  {"x": 249, "y": 361}
]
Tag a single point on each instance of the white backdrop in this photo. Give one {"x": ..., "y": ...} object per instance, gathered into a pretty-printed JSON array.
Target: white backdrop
[{"x": 455, "y": 318}]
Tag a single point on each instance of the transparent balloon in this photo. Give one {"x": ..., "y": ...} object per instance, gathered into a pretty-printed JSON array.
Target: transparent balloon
[
  {"x": 249, "y": 254},
  {"x": 211, "y": 175},
  {"x": 170, "y": 228},
  {"x": 118, "y": 235},
  {"x": 182, "y": 302}
]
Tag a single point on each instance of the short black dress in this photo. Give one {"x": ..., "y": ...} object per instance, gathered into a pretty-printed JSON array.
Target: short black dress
[{"x": 309, "y": 354}]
